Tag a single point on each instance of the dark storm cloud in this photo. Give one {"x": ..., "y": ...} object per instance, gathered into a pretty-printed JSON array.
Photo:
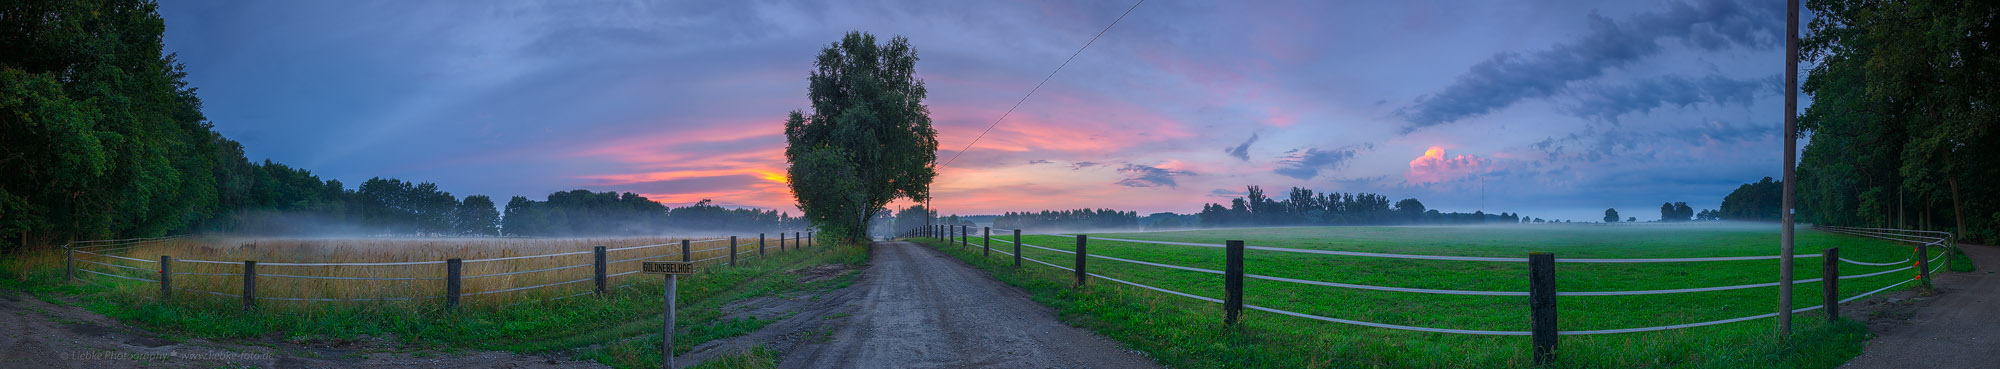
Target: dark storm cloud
[
  {"x": 1310, "y": 162},
  {"x": 1601, "y": 145},
  {"x": 1147, "y": 176},
  {"x": 1607, "y": 103},
  {"x": 1509, "y": 77},
  {"x": 1241, "y": 151}
]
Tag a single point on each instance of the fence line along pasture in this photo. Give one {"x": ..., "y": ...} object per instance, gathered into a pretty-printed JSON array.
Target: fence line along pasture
[
  {"x": 414, "y": 279},
  {"x": 1543, "y": 326}
]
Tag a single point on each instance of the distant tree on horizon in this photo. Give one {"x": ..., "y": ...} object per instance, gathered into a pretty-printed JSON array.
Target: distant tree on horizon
[{"x": 1610, "y": 215}]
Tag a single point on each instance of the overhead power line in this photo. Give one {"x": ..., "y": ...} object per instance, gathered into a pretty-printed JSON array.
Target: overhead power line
[{"x": 1038, "y": 86}]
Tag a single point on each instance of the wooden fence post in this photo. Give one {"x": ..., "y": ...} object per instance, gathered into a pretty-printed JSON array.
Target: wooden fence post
[
  {"x": 166, "y": 277},
  {"x": 732, "y": 250},
  {"x": 1542, "y": 306},
  {"x": 69, "y": 264},
  {"x": 453, "y": 285},
  {"x": 760, "y": 244},
  {"x": 1017, "y": 247},
  {"x": 598, "y": 254},
  {"x": 1232, "y": 280},
  {"x": 1950, "y": 248},
  {"x": 687, "y": 251},
  {"x": 1923, "y": 264},
  {"x": 987, "y": 240},
  {"x": 1080, "y": 274},
  {"x": 964, "y": 235},
  {"x": 249, "y": 285},
  {"x": 1829, "y": 280},
  {"x": 797, "y": 241}
]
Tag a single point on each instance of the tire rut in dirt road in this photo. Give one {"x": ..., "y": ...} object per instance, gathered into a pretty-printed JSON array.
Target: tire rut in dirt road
[
  {"x": 1957, "y": 328},
  {"x": 918, "y": 308}
]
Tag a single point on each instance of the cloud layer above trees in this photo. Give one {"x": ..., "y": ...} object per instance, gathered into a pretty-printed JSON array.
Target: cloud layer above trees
[{"x": 1562, "y": 107}]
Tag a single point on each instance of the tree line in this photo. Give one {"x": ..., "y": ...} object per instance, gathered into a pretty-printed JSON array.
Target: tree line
[
  {"x": 1305, "y": 207},
  {"x": 1902, "y": 123},
  {"x": 1078, "y": 219},
  {"x": 585, "y": 213},
  {"x": 101, "y": 137}
]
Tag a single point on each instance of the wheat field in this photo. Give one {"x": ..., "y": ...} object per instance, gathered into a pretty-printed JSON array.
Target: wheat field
[{"x": 412, "y": 270}]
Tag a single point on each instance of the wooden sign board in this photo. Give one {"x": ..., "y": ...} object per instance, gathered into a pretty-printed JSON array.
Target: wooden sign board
[{"x": 666, "y": 267}]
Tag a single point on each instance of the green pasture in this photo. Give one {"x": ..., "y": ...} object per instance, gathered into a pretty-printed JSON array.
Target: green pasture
[
  {"x": 1185, "y": 332},
  {"x": 620, "y": 329}
]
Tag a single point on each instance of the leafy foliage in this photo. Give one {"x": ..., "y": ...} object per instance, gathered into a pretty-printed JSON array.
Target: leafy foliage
[
  {"x": 1903, "y": 118},
  {"x": 99, "y": 134},
  {"x": 868, "y": 139},
  {"x": 1754, "y": 201}
]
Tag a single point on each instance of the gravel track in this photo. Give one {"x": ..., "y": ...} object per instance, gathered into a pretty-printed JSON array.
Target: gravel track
[
  {"x": 1958, "y": 327},
  {"x": 918, "y": 308}
]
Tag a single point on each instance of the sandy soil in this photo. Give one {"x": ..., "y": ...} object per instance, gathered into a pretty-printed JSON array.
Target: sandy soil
[
  {"x": 38, "y": 334},
  {"x": 1956, "y": 327},
  {"x": 917, "y": 308}
]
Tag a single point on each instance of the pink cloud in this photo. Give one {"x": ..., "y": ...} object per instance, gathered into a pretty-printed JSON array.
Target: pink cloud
[{"x": 1434, "y": 166}]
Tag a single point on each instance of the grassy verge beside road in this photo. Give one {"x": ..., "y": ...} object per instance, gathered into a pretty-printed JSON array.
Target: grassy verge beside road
[
  {"x": 613, "y": 329},
  {"x": 1184, "y": 332}
]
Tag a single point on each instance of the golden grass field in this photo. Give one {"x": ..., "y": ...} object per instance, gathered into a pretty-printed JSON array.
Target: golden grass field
[{"x": 212, "y": 266}]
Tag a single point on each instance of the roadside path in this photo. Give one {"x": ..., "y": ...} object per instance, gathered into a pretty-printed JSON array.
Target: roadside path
[
  {"x": 1957, "y": 328},
  {"x": 918, "y": 308},
  {"x": 39, "y": 334}
]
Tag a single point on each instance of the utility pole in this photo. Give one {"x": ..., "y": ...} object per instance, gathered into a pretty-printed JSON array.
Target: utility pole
[{"x": 1791, "y": 161}]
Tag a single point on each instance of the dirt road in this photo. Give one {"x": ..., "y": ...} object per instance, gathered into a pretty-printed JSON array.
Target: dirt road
[
  {"x": 918, "y": 308},
  {"x": 1957, "y": 328},
  {"x": 38, "y": 334}
]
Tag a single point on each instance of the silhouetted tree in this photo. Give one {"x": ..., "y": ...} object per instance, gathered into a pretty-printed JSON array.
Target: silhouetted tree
[{"x": 868, "y": 138}]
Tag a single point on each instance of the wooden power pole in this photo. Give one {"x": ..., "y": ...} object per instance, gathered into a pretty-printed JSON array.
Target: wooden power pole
[{"x": 1791, "y": 162}]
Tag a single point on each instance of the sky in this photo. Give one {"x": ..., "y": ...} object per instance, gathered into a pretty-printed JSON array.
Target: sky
[{"x": 1550, "y": 109}]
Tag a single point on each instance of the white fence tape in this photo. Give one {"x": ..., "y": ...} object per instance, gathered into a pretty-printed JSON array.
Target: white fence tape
[
  {"x": 1444, "y": 257},
  {"x": 1491, "y": 293},
  {"x": 1460, "y": 292}
]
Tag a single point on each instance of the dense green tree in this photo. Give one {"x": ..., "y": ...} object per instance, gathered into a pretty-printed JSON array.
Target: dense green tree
[
  {"x": 1411, "y": 209},
  {"x": 1903, "y": 115},
  {"x": 1610, "y": 215},
  {"x": 867, "y": 139},
  {"x": 100, "y": 136},
  {"x": 1757, "y": 201},
  {"x": 477, "y": 216}
]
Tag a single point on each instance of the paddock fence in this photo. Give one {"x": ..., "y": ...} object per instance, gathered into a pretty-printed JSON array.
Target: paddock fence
[
  {"x": 1541, "y": 293},
  {"x": 529, "y": 278}
]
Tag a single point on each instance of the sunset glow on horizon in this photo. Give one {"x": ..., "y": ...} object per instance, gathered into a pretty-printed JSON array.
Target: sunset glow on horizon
[{"x": 1180, "y": 105}]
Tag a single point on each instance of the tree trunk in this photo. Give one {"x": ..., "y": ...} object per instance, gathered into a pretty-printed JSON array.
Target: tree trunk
[
  {"x": 1957, "y": 203},
  {"x": 1957, "y": 208}
]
